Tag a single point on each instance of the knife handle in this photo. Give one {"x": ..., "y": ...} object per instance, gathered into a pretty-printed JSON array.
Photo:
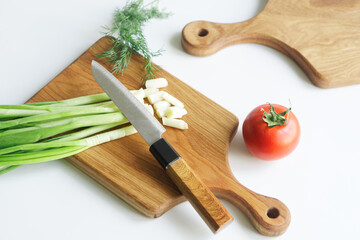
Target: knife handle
[{"x": 199, "y": 195}]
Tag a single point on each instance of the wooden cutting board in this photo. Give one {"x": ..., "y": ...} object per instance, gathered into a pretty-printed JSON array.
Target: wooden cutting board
[
  {"x": 322, "y": 36},
  {"x": 127, "y": 168}
]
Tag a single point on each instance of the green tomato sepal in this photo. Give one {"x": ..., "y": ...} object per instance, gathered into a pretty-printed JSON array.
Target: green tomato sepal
[{"x": 273, "y": 119}]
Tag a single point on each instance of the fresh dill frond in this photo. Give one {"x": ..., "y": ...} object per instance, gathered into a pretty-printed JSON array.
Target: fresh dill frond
[{"x": 129, "y": 38}]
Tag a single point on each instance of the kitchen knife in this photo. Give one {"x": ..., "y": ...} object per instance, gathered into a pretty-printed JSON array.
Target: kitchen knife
[{"x": 198, "y": 194}]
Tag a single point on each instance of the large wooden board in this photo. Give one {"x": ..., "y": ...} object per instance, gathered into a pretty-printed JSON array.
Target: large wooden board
[
  {"x": 322, "y": 36},
  {"x": 127, "y": 168}
]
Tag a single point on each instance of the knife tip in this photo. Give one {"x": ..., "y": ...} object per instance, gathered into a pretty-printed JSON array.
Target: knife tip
[
  {"x": 94, "y": 65},
  {"x": 93, "y": 62}
]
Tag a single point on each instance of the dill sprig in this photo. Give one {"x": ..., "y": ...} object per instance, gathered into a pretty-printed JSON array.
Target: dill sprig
[{"x": 129, "y": 38}]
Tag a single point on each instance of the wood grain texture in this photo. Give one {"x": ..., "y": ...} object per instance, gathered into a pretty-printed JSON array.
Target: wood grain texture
[
  {"x": 199, "y": 195},
  {"x": 127, "y": 168},
  {"x": 322, "y": 36}
]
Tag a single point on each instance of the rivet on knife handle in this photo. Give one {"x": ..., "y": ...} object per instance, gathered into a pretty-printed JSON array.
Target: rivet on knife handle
[{"x": 196, "y": 192}]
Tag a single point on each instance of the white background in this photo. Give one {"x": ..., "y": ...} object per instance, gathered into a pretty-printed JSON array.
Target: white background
[{"x": 319, "y": 181}]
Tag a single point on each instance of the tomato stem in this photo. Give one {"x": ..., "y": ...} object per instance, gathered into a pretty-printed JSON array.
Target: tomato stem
[{"x": 273, "y": 119}]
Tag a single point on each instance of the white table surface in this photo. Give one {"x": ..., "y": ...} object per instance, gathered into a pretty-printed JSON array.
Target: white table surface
[{"x": 319, "y": 181}]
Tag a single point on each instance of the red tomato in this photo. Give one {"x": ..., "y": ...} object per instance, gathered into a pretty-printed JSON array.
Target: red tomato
[{"x": 270, "y": 143}]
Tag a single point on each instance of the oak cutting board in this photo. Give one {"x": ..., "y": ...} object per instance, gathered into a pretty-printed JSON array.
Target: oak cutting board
[
  {"x": 322, "y": 36},
  {"x": 127, "y": 168}
]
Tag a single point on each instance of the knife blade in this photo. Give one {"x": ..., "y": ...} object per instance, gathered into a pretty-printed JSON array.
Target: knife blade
[{"x": 198, "y": 194}]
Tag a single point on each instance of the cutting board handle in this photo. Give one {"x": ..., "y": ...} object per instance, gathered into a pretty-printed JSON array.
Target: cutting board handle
[
  {"x": 268, "y": 215},
  {"x": 203, "y": 38}
]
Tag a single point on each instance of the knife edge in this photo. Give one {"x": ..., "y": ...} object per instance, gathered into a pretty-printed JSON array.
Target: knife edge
[{"x": 145, "y": 123}]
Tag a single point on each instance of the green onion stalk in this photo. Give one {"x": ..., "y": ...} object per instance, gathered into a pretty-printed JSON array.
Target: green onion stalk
[{"x": 46, "y": 131}]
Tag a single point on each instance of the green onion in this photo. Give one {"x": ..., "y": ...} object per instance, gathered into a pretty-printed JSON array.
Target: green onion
[
  {"x": 105, "y": 108},
  {"x": 46, "y": 131},
  {"x": 76, "y": 101},
  {"x": 30, "y": 153}
]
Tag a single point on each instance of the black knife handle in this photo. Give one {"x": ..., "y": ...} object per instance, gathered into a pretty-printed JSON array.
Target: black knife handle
[
  {"x": 197, "y": 193},
  {"x": 164, "y": 153}
]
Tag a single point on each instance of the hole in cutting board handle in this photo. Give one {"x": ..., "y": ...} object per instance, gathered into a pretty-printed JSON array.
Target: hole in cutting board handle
[
  {"x": 203, "y": 32},
  {"x": 273, "y": 212}
]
